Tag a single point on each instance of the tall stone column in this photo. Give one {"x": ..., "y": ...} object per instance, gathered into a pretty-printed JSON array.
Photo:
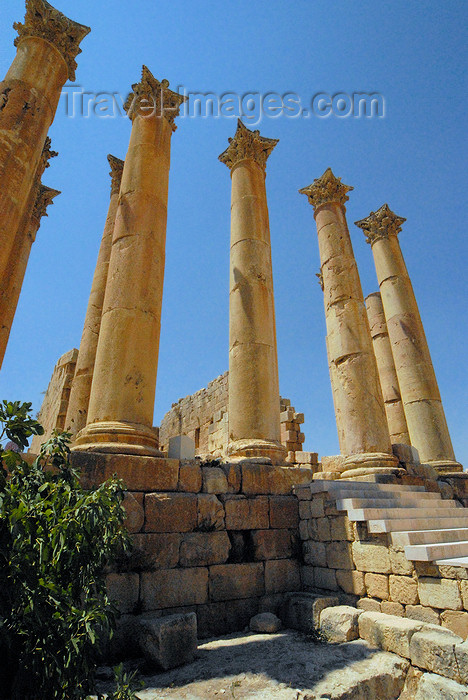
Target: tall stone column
[
  {"x": 388, "y": 377},
  {"x": 121, "y": 404},
  {"x": 360, "y": 413},
  {"x": 424, "y": 412},
  {"x": 254, "y": 402},
  {"x": 47, "y": 45},
  {"x": 39, "y": 198},
  {"x": 81, "y": 386}
]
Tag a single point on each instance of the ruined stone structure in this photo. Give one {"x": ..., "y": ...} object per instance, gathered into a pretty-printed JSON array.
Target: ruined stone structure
[{"x": 360, "y": 414}]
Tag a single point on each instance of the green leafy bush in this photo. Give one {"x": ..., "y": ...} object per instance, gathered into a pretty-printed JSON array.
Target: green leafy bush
[{"x": 56, "y": 540}]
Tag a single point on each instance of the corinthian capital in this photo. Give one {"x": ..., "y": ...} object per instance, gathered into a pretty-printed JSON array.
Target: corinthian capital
[
  {"x": 46, "y": 155},
  {"x": 326, "y": 189},
  {"x": 44, "y": 21},
  {"x": 247, "y": 145},
  {"x": 380, "y": 224},
  {"x": 150, "y": 97},
  {"x": 116, "y": 170},
  {"x": 44, "y": 197}
]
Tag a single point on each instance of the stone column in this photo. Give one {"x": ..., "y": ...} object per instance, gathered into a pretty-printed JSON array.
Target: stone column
[
  {"x": 360, "y": 413},
  {"x": 39, "y": 198},
  {"x": 254, "y": 402},
  {"x": 81, "y": 386},
  {"x": 388, "y": 377},
  {"x": 47, "y": 45},
  {"x": 121, "y": 404},
  {"x": 424, "y": 412}
]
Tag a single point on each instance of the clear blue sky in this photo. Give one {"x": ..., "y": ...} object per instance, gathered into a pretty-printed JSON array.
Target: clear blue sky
[{"x": 414, "y": 54}]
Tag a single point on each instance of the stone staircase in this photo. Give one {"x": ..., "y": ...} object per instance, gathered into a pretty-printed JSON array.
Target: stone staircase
[{"x": 427, "y": 527}]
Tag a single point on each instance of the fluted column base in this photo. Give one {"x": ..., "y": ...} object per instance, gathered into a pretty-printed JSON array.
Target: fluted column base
[
  {"x": 370, "y": 463},
  {"x": 269, "y": 449},
  {"x": 118, "y": 437},
  {"x": 445, "y": 466}
]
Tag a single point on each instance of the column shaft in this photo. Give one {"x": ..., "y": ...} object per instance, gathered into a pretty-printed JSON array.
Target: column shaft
[
  {"x": 360, "y": 413},
  {"x": 388, "y": 377},
  {"x": 254, "y": 403},
  {"x": 81, "y": 386},
  {"x": 121, "y": 405}
]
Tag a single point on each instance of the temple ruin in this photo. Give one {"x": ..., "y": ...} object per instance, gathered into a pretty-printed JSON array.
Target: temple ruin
[{"x": 251, "y": 522}]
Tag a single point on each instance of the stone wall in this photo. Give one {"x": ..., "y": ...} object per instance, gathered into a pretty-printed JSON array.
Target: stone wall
[
  {"x": 342, "y": 556},
  {"x": 221, "y": 541},
  {"x": 203, "y": 416},
  {"x": 54, "y": 406}
]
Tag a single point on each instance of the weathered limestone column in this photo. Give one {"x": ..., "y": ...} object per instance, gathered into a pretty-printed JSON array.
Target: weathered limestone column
[
  {"x": 360, "y": 413},
  {"x": 47, "y": 45},
  {"x": 424, "y": 412},
  {"x": 254, "y": 402},
  {"x": 39, "y": 198},
  {"x": 81, "y": 387},
  {"x": 388, "y": 377},
  {"x": 121, "y": 405}
]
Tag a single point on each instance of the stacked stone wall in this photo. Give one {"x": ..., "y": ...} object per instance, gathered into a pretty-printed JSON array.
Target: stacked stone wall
[
  {"x": 221, "y": 541},
  {"x": 344, "y": 557},
  {"x": 203, "y": 416}
]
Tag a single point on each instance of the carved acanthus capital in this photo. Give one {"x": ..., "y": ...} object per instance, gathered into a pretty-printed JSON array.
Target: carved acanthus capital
[
  {"x": 153, "y": 98},
  {"x": 247, "y": 145},
  {"x": 326, "y": 189},
  {"x": 44, "y": 198},
  {"x": 44, "y": 21},
  {"x": 320, "y": 280},
  {"x": 116, "y": 170},
  {"x": 380, "y": 224},
  {"x": 46, "y": 155}
]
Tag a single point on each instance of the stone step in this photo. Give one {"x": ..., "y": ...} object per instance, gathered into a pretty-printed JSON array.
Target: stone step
[
  {"x": 413, "y": 537},
  {"x": 404, "y": 496},
  {"x": 455, "y": 561},
  {"x": 416, "y": 523},
  {"x": 438, "y": 550},
  {"x": 369, "y": 487},
  {"x": 363, "y": 514},
  {"x": 372, "y": 503}
]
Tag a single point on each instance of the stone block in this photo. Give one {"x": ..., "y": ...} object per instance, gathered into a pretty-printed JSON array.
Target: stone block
[
  {"x": 464, "y": 593},
  {"x": 456, "y": 621},
  {"x": 399, "y": 563},
  {"x": 170, "y": 512},
  {"x": 138, "y": 473},
  {"x": 426, "y": 568},
  {"x": 301, "y": 611},
  {"x": 377, "y": 586},
  {"x": 390, "y": 608},
  {"x": 371, "y": 557},
  {"x": 204, "y": 548},
  {"x": 284, "y": 511},
  {"x": 265, "y": 622},
  {"x": 388, "y": 632},
  {"x": 307, "y": 457},
  {"x": 461, "y": 655},
  {"x": 304, "y": 530},
  {"x": 317, "y": 506},
  {"x": 315, "y": 553},
  {"x": 325, "y": 578},
  {"x": 434, "y": 687},
  {"x": 155, "y": 550},
  {"x": 307, "y": 577},
  {"x": 233, "y": 474},
  {"x": 339, "y": 555},
  {"x": 270, "y": 603},
  {"x": 332, "y": 463},
  {"x": 433, "y": 648},
  {"x": 404, "y": 589},
  {"x": 272, "y": 544},
  {"x": 322, "y": 529},
  {"x": 190, "y": 477},
  {"x": 210, "y": 513},
  {"x": 214, "y": 480},
  {"x": 265, "y": 479},
  {"x": 282, "y": 575},
  {"x": 340, "y": 624},
  {"x": 133, "y": 505},
  {"x": 124, "y": 589},
  {"x": 422, "y": 613},
  {"x": 369, "y": 604},
  {"x": 453, "y": 572},
  {"x": 170, "y": 588},
  {"x": 167, "y": 642},
  {"x": 440, "y": 593},
  {"x": 341, "y": 528},
  {"x": 246, "y": 513},
  {"x": 181, "y": 447},
  {"x": 351, "y": 582},
  {"x": 232, "y": 581}
]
